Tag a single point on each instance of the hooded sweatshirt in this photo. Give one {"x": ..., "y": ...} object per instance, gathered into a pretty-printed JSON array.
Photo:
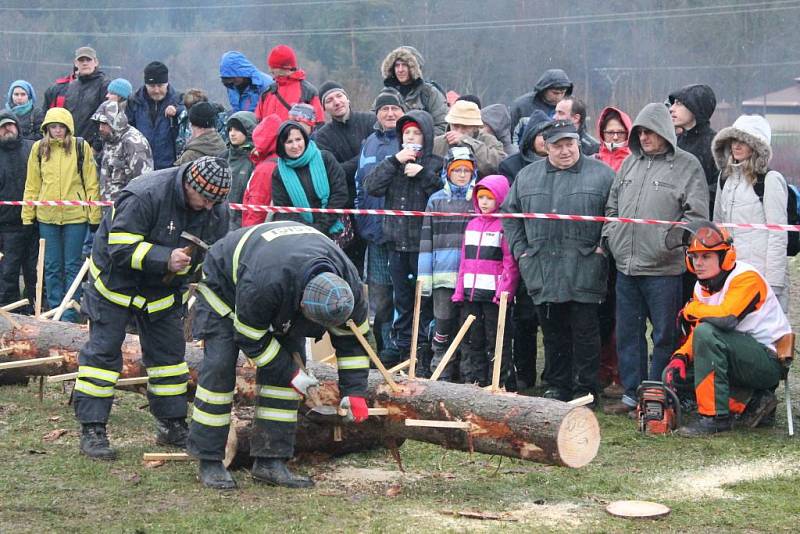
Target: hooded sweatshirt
[
  {"x": 29, "y": 118},
  {"x": 524, "y": 106},
  {"x": 239, "y": 161},
  {"x": 235, "y": 65},
  {"x": 57, "y": 178},
  {"x": 498, "y": 118},
  {"x": 613, "y": 157},
  {"x": 13, "y": 167},
  {"x": 265, "y": 158},
  {"x": 126, "y": 155},
  {"x": 487, "y": 267},
  {"x": 511, "y": 166},
  {"x": 738, "y": 202},
  {"x": 669, "y": 186},
  {"x": 418, "y": 94},
  {"x": 84, "y": 94},
  {"x": 702, "y": 102},
  {"x": 403, "y": 192}
]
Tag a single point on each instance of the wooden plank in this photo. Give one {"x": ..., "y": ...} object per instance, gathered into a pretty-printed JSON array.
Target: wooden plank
[
  {"x": 132, "y": 381},
  {"x": 452, "y": 348},
  {"x": 400, "y": 366},
  {"x": 30, "y": 363},
  {"x": 582, "y": 401},
  {"x": 37, "y": 307},
  {"x": 499, "y": 337},
  {"x": 166, "y": 456},
  {"x": 14, "y": 305},
  {"x": 371, "y": 411},
  {"x": 372, "y": 356},
  {"x": 461, "y": 425},
  {"x": 66, "y": 302},
  {"x": 49, "y": 313},
  {"x": 8, "y": 317},
  {"x": 412, "y": 370},
  {"x": 62, "y": 378}
]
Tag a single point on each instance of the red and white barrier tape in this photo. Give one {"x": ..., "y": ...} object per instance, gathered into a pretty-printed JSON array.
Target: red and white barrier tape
[{"x": 406, "y": 213}]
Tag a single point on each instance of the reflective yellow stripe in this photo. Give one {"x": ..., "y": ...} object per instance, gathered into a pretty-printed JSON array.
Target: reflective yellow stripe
[
  {"x": 352, "y": 362},
  {"x": 160, "y": 304},
  {"x": 276, "y": 414},
  {"x": 86, "y": 371},
  {"x": 113, "y": 296},
  {"x": 167, "y": 390},
  {"x": 185, "y": 270},
  {"x": 238, "y": 250},
  {"x": 216, "y": 303},
  {"x": 269, "y": 353},
  {"x": 138, "y": 255},
  {"x": 92, "y": 390},
  {"x": 247, "y": 331},
  {"x": 168, "y": 370},
  {"x": 139, "y": 302},
  {"x": 185, "y": 296},
  {"x": 210, "y": 419},
  {"x": 363, "y": 328},
  {"x": 124, "y": 238},
  {"x": 275, "y": 392},
  {"x": 213, "y": 397}
]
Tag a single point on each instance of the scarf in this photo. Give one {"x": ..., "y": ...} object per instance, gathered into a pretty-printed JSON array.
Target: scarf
[
  {"x": 22, "y": 110},
  {"x": 312, "y": 158}
]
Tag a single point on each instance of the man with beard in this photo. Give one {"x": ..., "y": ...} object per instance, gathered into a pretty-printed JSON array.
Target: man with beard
[{"x": 126, "y": 152}]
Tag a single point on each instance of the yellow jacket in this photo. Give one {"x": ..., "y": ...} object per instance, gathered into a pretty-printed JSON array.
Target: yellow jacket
[{"x": 57, "y": 178}]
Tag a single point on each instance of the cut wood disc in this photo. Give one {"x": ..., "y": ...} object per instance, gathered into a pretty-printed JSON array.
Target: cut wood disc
[{"x": 637, "y": 509}]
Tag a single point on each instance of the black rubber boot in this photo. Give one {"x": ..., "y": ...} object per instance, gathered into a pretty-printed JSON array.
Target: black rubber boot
[
  {"x": 213, "y": 475},
  {"x": 172, "y": 432},
  {"x": 758, "y": 409},
  {"x": 273, "y": 471},
  {"x": 707, "y": 426},
  {"x": 94, "y": 442}
]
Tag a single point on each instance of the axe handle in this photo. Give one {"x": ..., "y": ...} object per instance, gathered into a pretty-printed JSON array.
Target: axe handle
[
  {"x": 789, "y": 415},
  {"x": 169, "y": 277}
]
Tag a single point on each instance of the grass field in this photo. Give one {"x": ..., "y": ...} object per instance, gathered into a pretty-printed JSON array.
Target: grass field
[{"x": 744, "y": 481}]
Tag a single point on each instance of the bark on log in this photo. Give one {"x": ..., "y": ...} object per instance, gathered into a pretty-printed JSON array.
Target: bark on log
[{"x": 530, "y": 428}]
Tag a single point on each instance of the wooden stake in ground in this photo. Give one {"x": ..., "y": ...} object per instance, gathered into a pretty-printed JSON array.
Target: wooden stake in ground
[
  {"x": 452, "y": 348},
  {"x": 14, "y": 305},
  {"x": 66, "y": 301},
  {"x": 412, "y": 369},
  {"x": 372, "y": 356},
  {"x": 37, "y": 310},
  {"x": 498, "y": 344}
]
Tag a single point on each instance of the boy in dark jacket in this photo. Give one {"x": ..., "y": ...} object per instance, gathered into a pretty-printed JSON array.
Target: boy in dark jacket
[
  {"x": 406, "y": 180},
  {"x": 240, "y": 143}
]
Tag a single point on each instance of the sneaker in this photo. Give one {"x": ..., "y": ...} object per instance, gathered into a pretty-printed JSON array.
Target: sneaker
[
  {"x": 273, "y": 471},
  {"x": 94, "y": 442},
  {"x": 760, "y": 406},
  {"x": 172, "y": 432},
  {"x": 707, "y": 426}
]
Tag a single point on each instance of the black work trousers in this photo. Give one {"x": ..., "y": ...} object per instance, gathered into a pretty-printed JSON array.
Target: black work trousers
[{"x": 20, "y": 250}]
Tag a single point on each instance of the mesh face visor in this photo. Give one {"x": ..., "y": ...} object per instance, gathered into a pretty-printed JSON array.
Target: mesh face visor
[{"x": 697, "y": 236}]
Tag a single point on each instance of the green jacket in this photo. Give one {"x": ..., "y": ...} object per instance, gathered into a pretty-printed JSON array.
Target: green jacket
[{"x": 670, "y": 187}]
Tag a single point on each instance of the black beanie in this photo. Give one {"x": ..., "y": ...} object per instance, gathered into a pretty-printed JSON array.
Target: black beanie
[
  {"x": 156, "y": 72},
  {"x": 328, "y": 87},
  {"x": 202, "y": 115},
  {"x": 389, "y": 97},
  {"x": 209, "y": 176}
]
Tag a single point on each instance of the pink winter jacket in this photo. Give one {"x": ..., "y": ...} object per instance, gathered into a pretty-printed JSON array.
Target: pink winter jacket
[{"x": 487, "y": 266}]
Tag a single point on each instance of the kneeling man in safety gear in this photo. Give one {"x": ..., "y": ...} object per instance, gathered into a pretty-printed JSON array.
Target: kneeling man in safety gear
[
  {"x": 144, "y": 255},
  {"x": 265, "y": 289},
  {"x": 732, "y": 324}
]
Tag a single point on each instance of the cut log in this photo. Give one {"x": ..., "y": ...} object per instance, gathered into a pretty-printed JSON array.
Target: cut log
[{"x": 531, "y": 428}]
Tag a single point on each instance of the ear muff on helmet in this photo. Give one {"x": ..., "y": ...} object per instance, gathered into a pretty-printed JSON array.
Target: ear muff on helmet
[{"x": 710, "y": 238}]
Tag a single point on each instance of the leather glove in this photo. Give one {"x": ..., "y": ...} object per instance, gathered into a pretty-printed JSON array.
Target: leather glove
[
  {"x": 301, "y": 381},
  {"x": 356, "y": 409},
  {"x": 676, "y": 365}
]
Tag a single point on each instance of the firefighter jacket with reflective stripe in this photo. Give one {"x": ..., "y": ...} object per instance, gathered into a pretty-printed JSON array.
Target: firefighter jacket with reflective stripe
[
  {"x": 133, "y": 244},
  {"x": 256, "y": 275},
  {"x": 746, "y": 303}
]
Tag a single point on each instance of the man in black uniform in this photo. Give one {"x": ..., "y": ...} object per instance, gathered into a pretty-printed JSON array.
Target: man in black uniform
[
  {"x": 140, "y": 267},
  {"x": 265, "y": 289}
]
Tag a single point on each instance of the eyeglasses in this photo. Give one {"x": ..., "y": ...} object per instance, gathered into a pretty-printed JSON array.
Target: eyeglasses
[{"x": 615, "y": 133}]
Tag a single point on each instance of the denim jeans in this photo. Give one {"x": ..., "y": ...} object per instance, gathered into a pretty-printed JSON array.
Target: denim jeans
[
  {"x": 639, "y": 298},
  {"x": 403, "y": 269},
  {"x": 62, "y": 261}
]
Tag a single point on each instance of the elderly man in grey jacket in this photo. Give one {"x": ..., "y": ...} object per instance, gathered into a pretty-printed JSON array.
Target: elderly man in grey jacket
[{"x": 657, "y": 181}]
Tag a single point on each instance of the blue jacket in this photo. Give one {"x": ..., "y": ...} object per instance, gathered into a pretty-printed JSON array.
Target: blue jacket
[
  {"x": 234, "y": 64},
  {"x": 377, "y": 147},
  {"x": 159, "y": 130}
]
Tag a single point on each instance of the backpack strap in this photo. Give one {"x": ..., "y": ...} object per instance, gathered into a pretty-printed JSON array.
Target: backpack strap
[{"x": 758, "y": 187}]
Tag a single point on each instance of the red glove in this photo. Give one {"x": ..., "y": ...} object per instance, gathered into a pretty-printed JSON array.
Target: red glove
[
  {"x": 676, "y": 365},
  {"x": 356, "y": 408}
]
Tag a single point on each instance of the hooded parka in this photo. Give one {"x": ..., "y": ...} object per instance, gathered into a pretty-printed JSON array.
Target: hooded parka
[{"x": 418, "y": 94}]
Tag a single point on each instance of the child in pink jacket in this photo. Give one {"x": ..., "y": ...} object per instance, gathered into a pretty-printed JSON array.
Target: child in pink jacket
[{"x": 487, "y": 269}]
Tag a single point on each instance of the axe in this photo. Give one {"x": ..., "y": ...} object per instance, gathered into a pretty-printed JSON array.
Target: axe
[{"x": 194, "y": 243}]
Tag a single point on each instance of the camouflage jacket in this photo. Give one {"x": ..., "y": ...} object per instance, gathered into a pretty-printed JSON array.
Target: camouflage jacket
[{"x": 123, "y": 160}]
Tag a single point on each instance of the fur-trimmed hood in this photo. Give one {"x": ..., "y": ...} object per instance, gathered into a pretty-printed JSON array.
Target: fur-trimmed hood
[
  {"x": 408, "y": 54},
  {"x": 754, "y": 131}
]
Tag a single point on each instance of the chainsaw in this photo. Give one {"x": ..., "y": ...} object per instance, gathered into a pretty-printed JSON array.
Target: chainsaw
[{"x": 659, "y": 409}]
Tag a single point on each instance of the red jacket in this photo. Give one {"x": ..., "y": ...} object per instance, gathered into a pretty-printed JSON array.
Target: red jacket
[
  {"x": 613, "y": 158},
  {"x": 265, "y": 159},
  {"x": 290, "y": 89}
]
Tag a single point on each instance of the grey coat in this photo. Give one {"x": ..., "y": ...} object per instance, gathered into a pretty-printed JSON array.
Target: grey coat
[
  {"x": 669, "y": 187},
  {"x": 557, "y": 259}
]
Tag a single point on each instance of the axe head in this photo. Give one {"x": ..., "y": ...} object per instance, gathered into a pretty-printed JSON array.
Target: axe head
[{"x": 196, "y": 240}]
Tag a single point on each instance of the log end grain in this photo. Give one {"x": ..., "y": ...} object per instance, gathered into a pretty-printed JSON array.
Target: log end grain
[{"x": 578, "y": 437}]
